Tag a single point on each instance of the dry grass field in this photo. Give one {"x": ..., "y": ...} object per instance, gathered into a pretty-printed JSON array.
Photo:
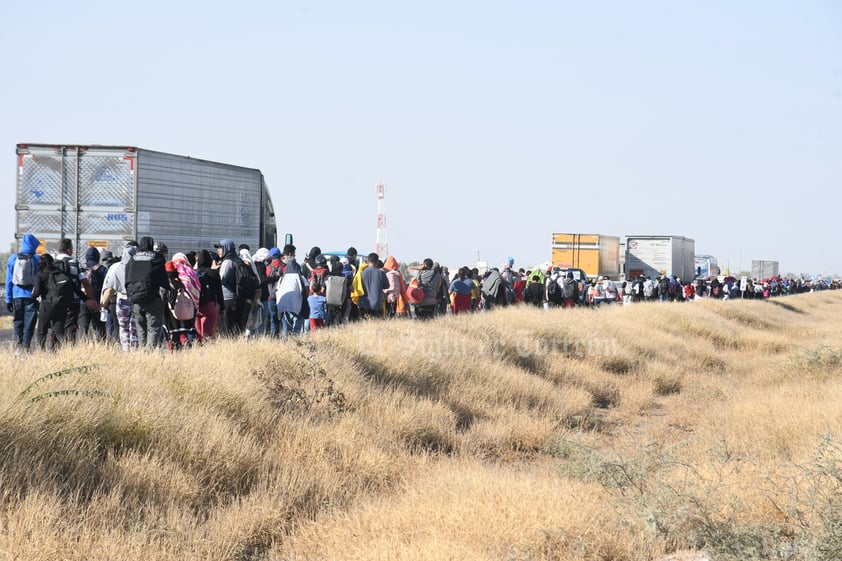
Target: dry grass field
[{"x": 620, "y": 434}]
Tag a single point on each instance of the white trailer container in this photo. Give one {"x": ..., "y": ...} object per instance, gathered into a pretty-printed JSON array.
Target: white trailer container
[
  {"x": 103, "y": 195},
  {"x": 655, "y": 255},
  {"x": 763, "y": 269}
]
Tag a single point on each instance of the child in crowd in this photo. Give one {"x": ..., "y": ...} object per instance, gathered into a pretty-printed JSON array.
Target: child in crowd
[{"x": 318, "y": 303}]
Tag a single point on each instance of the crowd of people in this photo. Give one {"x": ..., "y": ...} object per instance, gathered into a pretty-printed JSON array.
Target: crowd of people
[{"x": 148, "y": 299}]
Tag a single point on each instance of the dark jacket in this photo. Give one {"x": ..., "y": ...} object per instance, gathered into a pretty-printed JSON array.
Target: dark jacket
[
  {"x": 374, "y": 283},
  {"x": 534, "y": 293},
  {"x": 42, "y": 284}
]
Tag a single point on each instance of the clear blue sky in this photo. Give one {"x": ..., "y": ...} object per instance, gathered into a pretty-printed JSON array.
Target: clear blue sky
[{"x": 493, "y": 123}]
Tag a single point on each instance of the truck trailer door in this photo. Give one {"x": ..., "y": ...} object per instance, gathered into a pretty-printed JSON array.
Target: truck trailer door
[{"x": 81, "y": 193}]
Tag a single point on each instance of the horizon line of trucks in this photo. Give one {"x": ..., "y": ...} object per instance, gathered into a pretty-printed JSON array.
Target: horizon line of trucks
[
  {"x": 648, "y": 255},
  {"x": 101, "y": 196}
]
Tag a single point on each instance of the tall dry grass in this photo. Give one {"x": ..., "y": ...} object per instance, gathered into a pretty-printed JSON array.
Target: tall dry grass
[{"x": 617, "y": 434}]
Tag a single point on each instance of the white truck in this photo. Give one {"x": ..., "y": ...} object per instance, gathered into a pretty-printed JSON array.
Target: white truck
[
  {"x": 656, "y": 255},
  {"x": 706, "y": 266},
  {"x": 103, "y": 195}
]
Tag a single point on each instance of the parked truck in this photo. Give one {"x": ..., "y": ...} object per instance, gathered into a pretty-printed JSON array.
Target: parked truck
[
  {"x": 656, "y": 255},
  {"x": 102, "y": 196},
  {"x": 595, "y": 254},
  {"x": 763, "y": 269},
  {"x": 706, "y": 266}
]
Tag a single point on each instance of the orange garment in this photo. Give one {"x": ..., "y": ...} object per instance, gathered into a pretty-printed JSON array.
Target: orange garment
[{"x": 391, "y": 264}]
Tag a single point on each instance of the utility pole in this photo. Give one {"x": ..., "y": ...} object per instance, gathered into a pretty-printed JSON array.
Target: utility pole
[{"x": 382, "y": 246}]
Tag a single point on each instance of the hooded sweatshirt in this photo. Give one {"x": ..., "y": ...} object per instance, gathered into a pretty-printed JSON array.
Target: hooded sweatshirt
[
  {"x": 28, "y": 245},
  {"x": 115, "y": 278},
  {"x": 228, "y": 269},
  {"x": 397, "y": 286}
]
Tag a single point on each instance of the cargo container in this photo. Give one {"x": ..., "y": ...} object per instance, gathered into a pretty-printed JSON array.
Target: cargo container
[
  {"x": 706, "y": 266},
  {"x": 655, "y": 255},
  {"x": 595, "y": 254},
  {"x": 103, "y": 195},
  {"x": 761, "y": 269}
]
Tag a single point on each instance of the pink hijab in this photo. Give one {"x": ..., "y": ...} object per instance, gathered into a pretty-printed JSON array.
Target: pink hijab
[{"x": 188, "y": 277}]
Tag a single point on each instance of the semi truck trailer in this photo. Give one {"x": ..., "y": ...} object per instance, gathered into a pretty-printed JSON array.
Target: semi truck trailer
[
  {"x": 102, "y": 196},
  {"x": 656, "y": 255},
  {"x": 763, "y": 269},
  {"x": 595, "y": 254}
]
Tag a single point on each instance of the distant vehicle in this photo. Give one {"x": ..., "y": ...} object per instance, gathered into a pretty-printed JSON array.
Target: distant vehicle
[
  {"x": 596, "y": 254},
  {"x": 764, "y": 269},
  {"x": 100, "y": 196},
  {"x": 706, "y": 266},
  {"x": 656, "y": 255}
]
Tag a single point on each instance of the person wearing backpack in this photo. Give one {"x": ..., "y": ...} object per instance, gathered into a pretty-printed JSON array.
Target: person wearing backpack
[
  {"x": 663, "y": 288},
  {"x": 291, "y": 294},
  {"x": 534, "y": 292},
  {"x": 114, "y": 289},
  {"x": 396, "y": 292},
  {"x": 569, "y": 291},
  {"x": 261, "y": 260},
  {"x": 256, "y": 320},
  {"x": 145, "y": 279},
  {"x": 21, "y": 270},
  {"x": 182, "y": 303},
  {"x": 649, "y": 289},
  {"x": 274, "y": 270},
  {"x": 57, "y": 294},
  {"x": 239, "y": 288},
  {"x": 431, "y": 282},
  {"x": 494, "y": 289},
  {"x": 211, "y": 300},
  {"x": 336, "y": 294},
  {"x": 66, "y": 261},
  {"x": 553, "y": 290},
  {"x": 90, "y": 324}
]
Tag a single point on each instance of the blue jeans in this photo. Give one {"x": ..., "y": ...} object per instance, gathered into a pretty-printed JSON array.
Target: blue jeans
[
  {"x": 265, "y": 329},
  {"x": 291, "y": 322},
  {"x": 26, "y": 312},
  {"x": 274, "y": 320}
]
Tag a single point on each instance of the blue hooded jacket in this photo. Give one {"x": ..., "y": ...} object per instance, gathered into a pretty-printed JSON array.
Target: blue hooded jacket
[{"x": 28, "y": 245}]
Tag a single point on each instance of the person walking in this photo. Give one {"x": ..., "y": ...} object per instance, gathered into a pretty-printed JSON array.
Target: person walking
[
  {"x": 66, "y": 261},
  {"x": 114, "y": 289},
  {"x": 211, "y": 300},
  {"x": 21, "y": 271},
  {"x": 145, "y": 279},
  {"x": 374, "y": 285}
]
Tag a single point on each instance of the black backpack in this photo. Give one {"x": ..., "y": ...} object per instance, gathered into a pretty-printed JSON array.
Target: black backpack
[
  {"x": 60, "y": 290},
  {"x": 568, "y": 290},
  {"x": 139, "y": 277},
  {"x": 664, "y": 286},
  {"x": 247, "y": 282},
  {"x": 71, "y": 269}
]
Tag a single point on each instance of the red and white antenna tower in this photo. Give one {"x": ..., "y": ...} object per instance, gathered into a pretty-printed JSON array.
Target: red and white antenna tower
[{"x": 382, "y": 247}]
